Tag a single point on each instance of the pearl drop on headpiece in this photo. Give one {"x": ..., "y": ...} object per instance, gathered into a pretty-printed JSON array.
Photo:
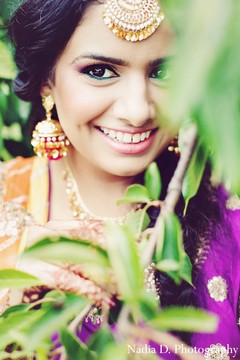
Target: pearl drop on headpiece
[{"x": 132, "y": 20}]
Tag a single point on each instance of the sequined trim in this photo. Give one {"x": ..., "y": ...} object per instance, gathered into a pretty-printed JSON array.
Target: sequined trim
[
  {"x": 216, "y": 352},
  {"x": 150, "y": 280},
  {"x": 217, "y": 288},
  {"x": 94, "y": 316}
]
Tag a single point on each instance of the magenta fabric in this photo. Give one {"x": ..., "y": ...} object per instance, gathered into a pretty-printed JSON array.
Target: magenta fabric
[{"x": 222, "y": 259}]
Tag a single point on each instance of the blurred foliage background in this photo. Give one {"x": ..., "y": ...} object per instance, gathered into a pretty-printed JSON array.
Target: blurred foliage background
[{"x": 14, "y": 113}]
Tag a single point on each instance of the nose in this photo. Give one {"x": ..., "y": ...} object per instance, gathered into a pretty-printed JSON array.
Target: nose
[{"x": 134, "y": 104}]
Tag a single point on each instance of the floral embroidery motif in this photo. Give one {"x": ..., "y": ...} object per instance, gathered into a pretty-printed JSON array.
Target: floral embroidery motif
[
  {"x": 217, "y": 288},
  {"x": 216, "y": 352}
]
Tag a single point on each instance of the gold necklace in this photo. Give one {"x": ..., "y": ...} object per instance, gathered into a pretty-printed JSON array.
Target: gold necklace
[{"x": 76, "y": 204}]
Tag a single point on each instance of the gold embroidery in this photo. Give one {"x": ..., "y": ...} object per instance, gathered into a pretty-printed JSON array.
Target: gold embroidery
[
  {"x": 217, "y": 288},
  {"x": 201, "y": 252},
  {"x": 216, "y": 352},
  {"x": 13, "y": 221}
]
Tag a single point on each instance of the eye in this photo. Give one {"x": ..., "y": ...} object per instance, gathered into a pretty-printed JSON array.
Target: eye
[
  {"x": 100, "y": 72},
  {"x": 161, "y": 72}
]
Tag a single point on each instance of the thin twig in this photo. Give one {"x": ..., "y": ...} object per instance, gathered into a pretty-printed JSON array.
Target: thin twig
[
  {"x": 173, "y": 191},
  {"x": 77, "y": 320},
  {"x": 74, "y": 325},
  {"x": 173, "y": 194}
]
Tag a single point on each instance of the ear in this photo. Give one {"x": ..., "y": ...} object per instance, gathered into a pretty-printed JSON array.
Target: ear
[{"x": 45, "y": 90}]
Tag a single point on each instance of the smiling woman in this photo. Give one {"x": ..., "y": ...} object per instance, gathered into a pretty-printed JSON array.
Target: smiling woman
[
  {"x": 101, "y": 82},
  {"x": 103, "y": 96}
]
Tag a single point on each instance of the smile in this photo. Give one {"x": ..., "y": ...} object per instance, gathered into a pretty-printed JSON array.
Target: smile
[{"x": 125, "y": 137}]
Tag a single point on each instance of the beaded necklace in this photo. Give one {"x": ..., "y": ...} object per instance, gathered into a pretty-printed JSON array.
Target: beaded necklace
[{"x": 77, "y": 205}]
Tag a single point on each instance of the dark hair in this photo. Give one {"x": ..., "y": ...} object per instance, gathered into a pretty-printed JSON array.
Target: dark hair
[{"x": 40, "y": 30}]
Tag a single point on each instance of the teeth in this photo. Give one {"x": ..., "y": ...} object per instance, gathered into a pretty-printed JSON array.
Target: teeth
[
  {"x": 126, "y": 138},
  {"x": 112, "y": 134},
  {"x": 120, "y": 136},
  {"x": 143, "y": 136},
  {"x": 148, "y": 134},
  {"x": 106, "y": 131},
  {"x": 136, "y": 138}
]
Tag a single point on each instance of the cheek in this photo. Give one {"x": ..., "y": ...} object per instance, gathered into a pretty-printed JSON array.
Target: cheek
[{"x": 80, "y": 101}]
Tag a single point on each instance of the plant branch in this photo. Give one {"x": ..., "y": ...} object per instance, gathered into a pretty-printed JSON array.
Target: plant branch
[{"x": 173, "y": 191}]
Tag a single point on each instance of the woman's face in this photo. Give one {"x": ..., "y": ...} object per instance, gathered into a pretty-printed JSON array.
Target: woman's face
[{"x": 109, "y": 93}]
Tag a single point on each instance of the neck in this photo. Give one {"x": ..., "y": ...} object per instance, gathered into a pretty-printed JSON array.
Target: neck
[{"x": 99, "y": 190}]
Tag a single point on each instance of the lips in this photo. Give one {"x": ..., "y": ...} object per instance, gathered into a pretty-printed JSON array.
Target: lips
[
  {"x": 132, "y": 142},
  {"x": 126, "y": 137}
]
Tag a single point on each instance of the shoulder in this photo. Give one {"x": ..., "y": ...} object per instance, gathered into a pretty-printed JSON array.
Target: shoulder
[{"x": 14, "y": 177}]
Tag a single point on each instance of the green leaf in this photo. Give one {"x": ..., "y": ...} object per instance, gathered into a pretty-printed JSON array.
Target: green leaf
[
  {"x": 102, "y": 338},
  {"x": 7, "y": 65},
  {"x": 16, "y": 355},
  {"x": 149, "y": 305},
  {"x": 72, "y": 251},
  {"x": 17, "y": 279},
  {"x": 168, "y": 265},
  {"x": 74, "y": 347},
  {"x": 184, "y": 319},
  {"x": 3, "y": 104},
  {"x": 170, "y": 240},
  {"x": 170, "y": 255},
  {"x": 186, "y": 269},
  {"x": 53, "y": 319},
  {"x": 137, "y": 221},
  {"x": 115, "y": 351},
  {"x": 125, "y": 261},
  {"x": 15, "y": 327},
  {"x": 18, "y": 109},
  {"x": 15, "y": 308},
  {"x": 12, "y": 132},
  {"x": 152, "y": 181},
  {"x": 135, "y": 194},
  {"x": 193, "y": 176}
]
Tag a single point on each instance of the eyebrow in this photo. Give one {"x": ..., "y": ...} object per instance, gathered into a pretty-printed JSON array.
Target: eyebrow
[
  {"x": 117, "y": 61},
  {"x": 160, "y": 61},
  {"x": 110, "y": 60}
]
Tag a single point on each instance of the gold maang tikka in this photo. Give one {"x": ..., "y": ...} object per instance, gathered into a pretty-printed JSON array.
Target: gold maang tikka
[
  {"x": 132, "y": 20},
  {"x": 48, "y": 138}
]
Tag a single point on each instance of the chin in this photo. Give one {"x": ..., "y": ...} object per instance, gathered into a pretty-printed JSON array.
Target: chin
[{"x": 130, "y": 170}]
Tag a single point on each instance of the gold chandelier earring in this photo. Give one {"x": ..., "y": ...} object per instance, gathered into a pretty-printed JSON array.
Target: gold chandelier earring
[
  {"x": 48, "y": 138},
  {"x": 174, "y": 147}
]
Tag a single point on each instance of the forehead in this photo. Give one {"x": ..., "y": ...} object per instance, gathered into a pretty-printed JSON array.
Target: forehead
[{"x": 93, "y": 36}]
